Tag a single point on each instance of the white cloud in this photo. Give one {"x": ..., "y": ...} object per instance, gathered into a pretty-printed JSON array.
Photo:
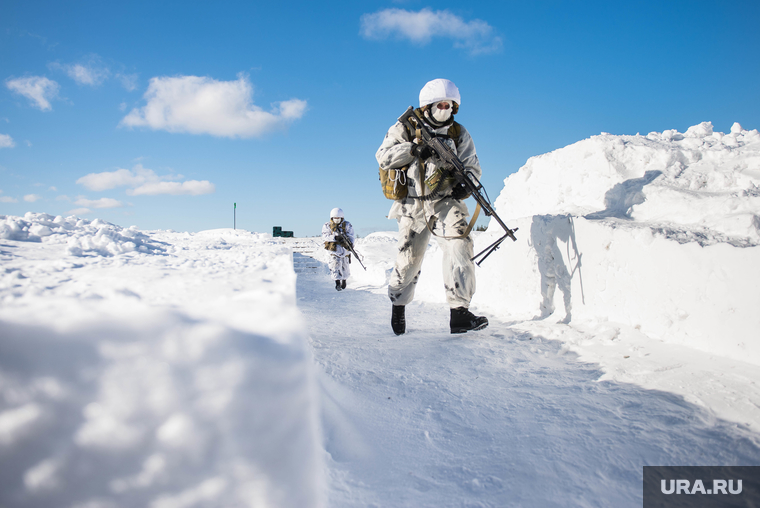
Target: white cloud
[
  {"x": 79, "y": 211},
  {"x": 143, "y": 181},
  {"x": 119, "y": 178},
  {"x": 99, "y": 203},
  {"x": 202, "y": 105},
  {"x": 8, "y": 199},
  {"x": 85, "y": 75},
  {"x": 38, "y": 89},
  {"x": 31, "y": 198},
  {"x": 128, "y": 81},
  {"x": 91, "y": 72},
  {"x": 190, "y": 187},
  {"x": 6, "y": 141},
  {"x": 421, "y": 27}
]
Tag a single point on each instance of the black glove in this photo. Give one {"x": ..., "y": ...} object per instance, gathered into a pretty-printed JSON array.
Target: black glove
[
  {"x": 421, "y": 151},
  {"x": 342, "y": 240},
  {"x": 459, "y": 191}
]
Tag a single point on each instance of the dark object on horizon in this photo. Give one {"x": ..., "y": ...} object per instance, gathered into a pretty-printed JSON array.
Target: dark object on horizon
[{"x": 277, "y": 231}]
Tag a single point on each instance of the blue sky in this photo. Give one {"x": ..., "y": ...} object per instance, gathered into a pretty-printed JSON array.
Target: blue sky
[{"x": 164, "y": 114}]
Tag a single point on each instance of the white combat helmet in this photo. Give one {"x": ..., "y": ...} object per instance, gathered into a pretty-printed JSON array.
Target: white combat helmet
[
  {"x": 336, "y": 212},
  {"x": 439, "y": 90}
]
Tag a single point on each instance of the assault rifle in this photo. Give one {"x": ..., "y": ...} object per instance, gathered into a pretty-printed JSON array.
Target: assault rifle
[
  {"x": 345, "y": 242},
  {"x": 450, "y": 165}
]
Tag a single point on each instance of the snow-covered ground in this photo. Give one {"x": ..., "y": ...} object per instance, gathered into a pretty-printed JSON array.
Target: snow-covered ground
[
  {"x": 152, "y": 369},
  {"x": 165, "y": 369}
]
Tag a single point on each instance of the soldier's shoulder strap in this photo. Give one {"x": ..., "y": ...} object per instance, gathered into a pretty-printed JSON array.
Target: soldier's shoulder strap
[{"x": 455, "y": 129}]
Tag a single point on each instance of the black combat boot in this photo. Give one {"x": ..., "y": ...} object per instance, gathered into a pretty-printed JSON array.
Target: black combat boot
[
  {"x": 343, "y": 284},
  {"x": 398, "y": 320},
  {"x": 463, "y": 320},
  {"x": 337, "y": 285}
]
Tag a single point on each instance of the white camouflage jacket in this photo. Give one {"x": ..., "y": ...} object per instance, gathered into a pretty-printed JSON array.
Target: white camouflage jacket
[
  {"x": 328, "y": 235},
  {"x": 395, "y": 153}
]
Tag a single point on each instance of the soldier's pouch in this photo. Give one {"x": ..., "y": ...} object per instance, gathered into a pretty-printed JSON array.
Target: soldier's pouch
[
  {"x": 394, "y": 182},
  {"x": 434, "y": 180},
  {"x": 330, "y": 246}
]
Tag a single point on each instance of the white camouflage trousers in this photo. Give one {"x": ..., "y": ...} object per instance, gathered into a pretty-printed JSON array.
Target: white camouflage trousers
[
  {"x": 339, "y": 267},
  {"x": 458, "y": 269}
]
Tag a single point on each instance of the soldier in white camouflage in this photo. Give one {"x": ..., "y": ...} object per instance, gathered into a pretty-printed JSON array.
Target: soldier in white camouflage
[
  {"x": 336, "y": 233},
  {"x": 445, "y": 215}
]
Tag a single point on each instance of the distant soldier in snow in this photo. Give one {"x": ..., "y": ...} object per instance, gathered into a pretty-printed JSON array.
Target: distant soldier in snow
[
  {"x": 444, "y": 214},
  {"x": 338, "y": 234}
]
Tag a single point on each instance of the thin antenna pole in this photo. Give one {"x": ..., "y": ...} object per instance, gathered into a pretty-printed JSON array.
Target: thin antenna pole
[{"x": 234, "y": 216}]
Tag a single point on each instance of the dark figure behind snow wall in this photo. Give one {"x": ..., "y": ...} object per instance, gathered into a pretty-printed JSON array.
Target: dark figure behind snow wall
[
  {"x": 447, "y": 212},
  {"x": 336, "y": 232}
]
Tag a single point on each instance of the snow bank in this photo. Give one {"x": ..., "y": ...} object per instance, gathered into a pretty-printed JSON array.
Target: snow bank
[
  {"x": 81, "y": 236},
  {"x": 571, "y": 269},
  {"x": 379, "y": 253},
  {"x": 702, "y": 181},
  {"x": 155, "y": 410},
  {"x": 132, "y": 379},
  {"x": 656, "y": 233}
]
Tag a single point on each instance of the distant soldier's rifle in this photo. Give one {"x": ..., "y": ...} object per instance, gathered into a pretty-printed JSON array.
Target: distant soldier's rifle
[
  {"x": 445, "y": 159},
  {"x": 345, "y": 242}
]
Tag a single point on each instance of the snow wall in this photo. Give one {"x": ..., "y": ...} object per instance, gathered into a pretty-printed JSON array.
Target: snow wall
[
  {"x": 130, "y": 377},
  {"x": 658, "y": 232}
]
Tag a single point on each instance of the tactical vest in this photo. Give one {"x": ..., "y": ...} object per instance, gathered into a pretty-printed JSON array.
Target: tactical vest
[
  {"x": 336, "y": 228},
  {"x": 394, "y": 181}
]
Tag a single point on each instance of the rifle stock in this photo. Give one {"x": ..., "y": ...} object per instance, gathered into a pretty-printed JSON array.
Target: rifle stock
[{"x": 449, "y": 163}]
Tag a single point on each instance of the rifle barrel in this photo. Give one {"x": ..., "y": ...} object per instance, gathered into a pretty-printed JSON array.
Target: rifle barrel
[{"x": 351, "y": 248}]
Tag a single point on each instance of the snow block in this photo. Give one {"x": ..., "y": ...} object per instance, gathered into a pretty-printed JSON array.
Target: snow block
[
  {"x": 663, "y": 282},
  {"x": 701, "y": 180},
  {"x": 176, "y": 376},
  {"x": 660, "y": 232},
  {"x": 82, "y": 237},
  {"x": 157, "y": 411}
]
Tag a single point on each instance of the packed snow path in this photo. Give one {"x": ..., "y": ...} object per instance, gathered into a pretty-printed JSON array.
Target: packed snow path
[{"x": 490, "y": 418}]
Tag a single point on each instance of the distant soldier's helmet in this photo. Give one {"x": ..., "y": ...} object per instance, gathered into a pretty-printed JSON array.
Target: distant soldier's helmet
[
  {"x": 336, "y": 212},
  {"x": 440, "y": 90}
]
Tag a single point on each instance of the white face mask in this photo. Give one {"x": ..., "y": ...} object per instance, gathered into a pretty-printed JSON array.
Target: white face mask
[
  {"x": 441, "y": 115},
  {"x": 337, "y": 220}
]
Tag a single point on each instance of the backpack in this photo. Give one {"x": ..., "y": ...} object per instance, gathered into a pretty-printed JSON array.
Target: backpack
[{"x": 394, "y": 181}]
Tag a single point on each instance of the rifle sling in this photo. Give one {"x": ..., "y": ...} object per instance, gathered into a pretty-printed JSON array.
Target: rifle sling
[{"x": 430, "y": 223}]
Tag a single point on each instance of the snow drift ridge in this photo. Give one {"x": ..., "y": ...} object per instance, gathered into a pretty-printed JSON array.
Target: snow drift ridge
[
  {"x": 659, "y": 233},
  {"x": 703, "y": 182}
]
